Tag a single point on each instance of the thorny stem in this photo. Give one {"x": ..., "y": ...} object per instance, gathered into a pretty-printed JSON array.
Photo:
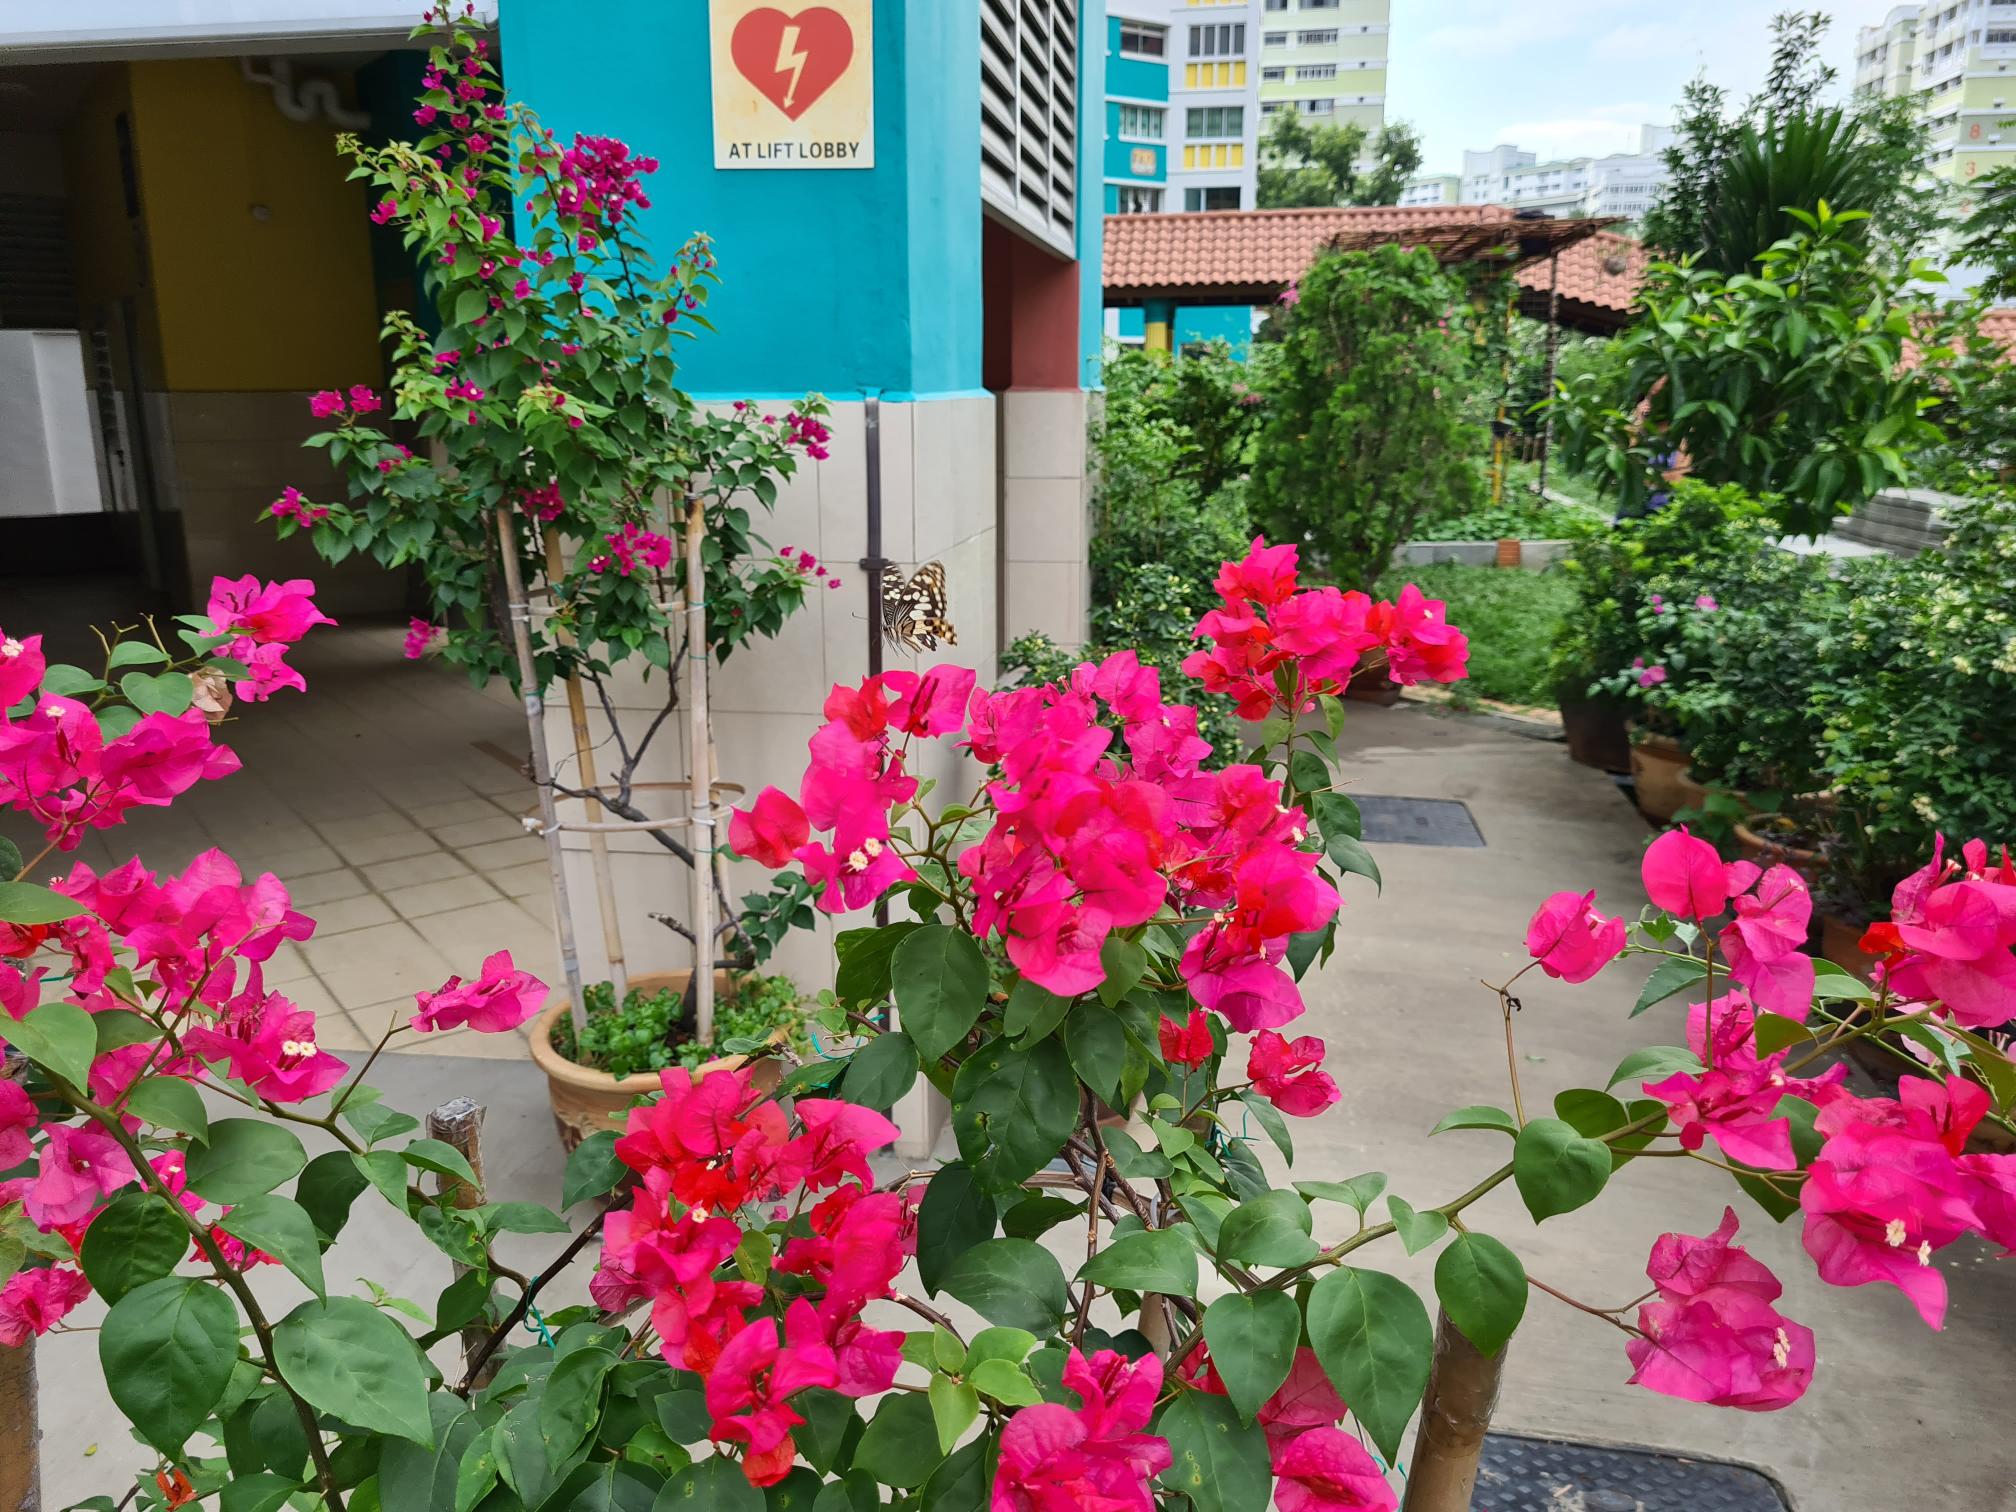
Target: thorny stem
[{"x": 524, "y": 1304}]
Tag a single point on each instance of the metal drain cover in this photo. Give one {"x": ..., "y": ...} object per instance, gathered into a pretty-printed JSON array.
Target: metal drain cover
[
  {"x": 1418, "y": 821},
  {"x": 1520, "y": 1474}
]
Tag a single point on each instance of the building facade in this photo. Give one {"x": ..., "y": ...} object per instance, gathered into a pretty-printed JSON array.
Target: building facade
[
  {"x": 1623, "y": 185},
  {"x": 1957, "y": 58},
  {"x": 1326, "y": 59},
  {"x": 1138, "y": 125}
]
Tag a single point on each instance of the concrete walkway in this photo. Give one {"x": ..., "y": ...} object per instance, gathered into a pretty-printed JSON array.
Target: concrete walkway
[{"x": 1897, "y": 1416}]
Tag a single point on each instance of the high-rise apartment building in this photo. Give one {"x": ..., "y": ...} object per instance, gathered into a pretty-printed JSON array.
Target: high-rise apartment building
[
  {"x": 1215, "y": 70},
  {"x": 1622, "y": 184},
  {"x": 1958, "y": 59}
]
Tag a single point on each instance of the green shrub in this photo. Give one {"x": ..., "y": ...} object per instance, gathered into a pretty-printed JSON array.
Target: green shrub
[
  {"x": 653, "y": 1031},
  {"x": 1512, "y": 618},
  {"x": 1522, "y": 516}
]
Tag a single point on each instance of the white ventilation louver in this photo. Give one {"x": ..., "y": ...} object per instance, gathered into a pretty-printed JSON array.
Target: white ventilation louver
[{"x": 1029, "y": 116}]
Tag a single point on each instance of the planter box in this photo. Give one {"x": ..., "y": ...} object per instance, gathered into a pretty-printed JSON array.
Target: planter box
[{"x": 1534, "y": 556}]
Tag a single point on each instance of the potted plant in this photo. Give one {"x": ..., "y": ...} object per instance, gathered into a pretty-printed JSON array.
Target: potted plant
[{"x": 538, "y": 464}]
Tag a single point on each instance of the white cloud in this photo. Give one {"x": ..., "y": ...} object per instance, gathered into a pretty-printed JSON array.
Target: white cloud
[
  {"x": 1599, "y": 130},
  {"x": 1645, "y": 42}
]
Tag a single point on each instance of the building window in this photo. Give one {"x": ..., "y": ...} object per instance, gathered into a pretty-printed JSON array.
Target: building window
[
  {"x": 1142, "y": 123},
  {"x": 1137, "y": 200},
  {"x": 1316, "y": 71},
  {"x": 1274, "y": 39},
  {"x": 1317, "y": 38},
  {"x": 1319, "y": 107},
  {"x": 1140, "y": 40},
  {"x": 1273, "y": 75},
  {"x": 1213, "y": 123},
  {"x": 1319, "y": 4},
  {"x": 1269, "y": 108},
  {"x": 1225, "y": 40},
  {"x": 1277, "y": 5},
  {"x": 1214, "y": 197}
]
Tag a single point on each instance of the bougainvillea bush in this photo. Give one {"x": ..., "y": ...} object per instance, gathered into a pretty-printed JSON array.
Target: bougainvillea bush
[{"x": 1109, "y": 1298}]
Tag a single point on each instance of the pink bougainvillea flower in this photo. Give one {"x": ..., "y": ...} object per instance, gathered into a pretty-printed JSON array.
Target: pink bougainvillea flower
[
  {"x": 854, "y": 871},
  {"x": 17, "y": 1121},
  {"x": 269, "y": 1043},
  {"x": 21, "y": 667},
  {"x": 502, "y": 997},
  {"x": 1327, "y": 1470},
  {"x": 1764, "y": 944},
  {"x": 35, "y": 1301},
  {"x": 1685, "y": 876},
  {"x": 1266, "y": 576},
  {"x": 1713, "y": 1334},
  {"x": 420, "y": 634},
  {"x": 328, "y": 402},
  {"x": 80, "y": 1168},
  {"x": 1738, "y": 1105},
  {"x": 837, "y": 1141},
  {"x": 1306, "y": 1400},
  {"x": 1054, "y": 1459},
  {"x": 1421, "y": 644},
  {"x": 770, "y": 831},
  {"x": 1949, "y": 938},
  {"x": 1286, "y": 1073},
  {"x": 866, "y": 1359},
  {"x": 748, "y": 1388},
  {"x": 271, "y": 613},
  {"x": 1250, "y": 990},
  {"x": 1186, "y": 1044},
  {"x": 933, "y": 704},
  {"x": 1570, "y": 939}
]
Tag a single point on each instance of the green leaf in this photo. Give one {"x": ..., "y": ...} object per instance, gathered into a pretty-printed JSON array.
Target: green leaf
[
  {"x": 1130, "y": 1160},
  {"x": 965, "y": 1482},
  {"x": 1095, "y": 1037},
  {"x": 1372, "y": 1336},
  {"x": 1775, "y": 1032},
  {"x": 158, "y": 693},
  {"x": 1478, "y": 1116},
  {"x": 260, "y": 1492},
  {"x": 1337, "y": 814},
  {"x": 1416, "y": 1230},
  {"x": 134, "y": 653},
  {"x": 955, "y": 1217},
  {"x": 282, "y": 1229},
  {"x": 1359, "y": 1192},
  {"x": 138, "y": 1239},
  {"x": 476, "y": 1474},
  {"x": 610, "y": 1486},
  {"x": 1125, "y": 963},
  {"x": 1148, "y": 1260},
  {"x": 348, "y": 1359},
  {"x": 1348, "y": 854},
  {"x": 593, "y": 1169},
  {"x": 1006, "y": 1383},
  {"x": 168, "y": 1102},
  {"x": 955, "y": 1406},
  {"x": 900, "y": 1447},
  {"x": 829, "y": 1425},
  {"x": 1036, "y": 1214},
  {"x": 1782, "y": 1201},
  {"x": 714, "y": 1484},
  {"x": 244, "y": 1158},
  {"x": 1668, "y": 977},
  {"x": 1654, "y": 1063},
  {"x": 1272, "y": 1229},
  {"x": 1252, "y": 1338},
  {"x": 572, "y": 1401},
  {"x": 30, "y": 903},
  {"x": 1269, "y": 1118},
  {"x": 1482, "y": 1287},
  {"x": 1558, "y": 1169},
  {"x": 119, "y": 1027},
  {"x": 166, "y": 1350},
  {"x": 1010, "y": 1344},
  {"x": 1590, "y": 1112},
  {"x": 440, "y": 1157},
  {"x": 1831, "y": 981},
  {"x": 1015, "y": 1283},
  {"x": 862, "y": 976},
  {"x": 1220, "y": 1463},
  {"x": 517, "y": 1218},
  {"x": 58, "y": 1037},
  {"x": 881, "y": 1071},
  {"x": 62, "y": 680},
  {"x": 469, "y": 306},
  {"x": 940, "y": 981},
  {"x": 1012, "y": 1110},
  {"x": 385, "y": 1171},
  {"x": 1033, "y": 1013}
]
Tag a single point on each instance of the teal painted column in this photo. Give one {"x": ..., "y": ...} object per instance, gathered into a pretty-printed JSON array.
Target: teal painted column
[
  {"x": 840, "y": 280},
  {"x": 1159, "y": 324},
  {"x": 1091, "y": 187}
]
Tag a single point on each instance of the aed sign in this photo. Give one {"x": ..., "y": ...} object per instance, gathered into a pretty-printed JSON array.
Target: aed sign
[{"x": 793, "y": 88}]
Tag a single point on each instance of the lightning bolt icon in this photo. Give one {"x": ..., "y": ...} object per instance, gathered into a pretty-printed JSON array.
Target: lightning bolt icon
[{"x": 791, "y": 57}]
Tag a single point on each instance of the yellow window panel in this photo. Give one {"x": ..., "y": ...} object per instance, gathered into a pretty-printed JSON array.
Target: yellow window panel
[
  {"x": 1238, "y": 154},
  {"x": 1190, "y": 75},
  {"x": 1238, "y": 73}
]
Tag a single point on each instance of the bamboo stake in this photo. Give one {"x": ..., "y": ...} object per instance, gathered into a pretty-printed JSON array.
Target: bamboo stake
[
  {"x": 699, "y": 774},
  {"x": 459, "y": 1124},
  {"x": 1455, "y": 1416},
  {"x": 520, "y": 611},
  {"x": 584, "y": 761},
  {"x": 20, "y": 1427}
]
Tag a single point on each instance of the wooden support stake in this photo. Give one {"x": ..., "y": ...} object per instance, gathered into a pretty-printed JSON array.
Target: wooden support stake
[
  {"x": 459, "y": 1124},
  {"x": 1455, "y": 1416},
  {"x": 700, "y": 745},
  {"x": 20, "y": 1433}
]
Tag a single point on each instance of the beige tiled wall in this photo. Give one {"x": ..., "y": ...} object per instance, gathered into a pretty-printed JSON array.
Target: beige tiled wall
[{"x": 1045, "y": 516}]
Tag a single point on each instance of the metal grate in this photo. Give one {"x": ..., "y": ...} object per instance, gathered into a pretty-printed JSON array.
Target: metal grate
[
  {"x": 1029, "y": 116},
  {"x": 1418, "y": 821},
  {"x": 1521, "y": 1474}
]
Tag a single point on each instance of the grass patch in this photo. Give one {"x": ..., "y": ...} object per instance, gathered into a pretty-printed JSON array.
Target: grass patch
[
  {"x": 1521, "y": 476},
  {"x": 1513, "y": 618}
]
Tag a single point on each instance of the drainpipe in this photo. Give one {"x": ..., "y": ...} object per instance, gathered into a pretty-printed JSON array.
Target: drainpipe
[{"x": 874, "y": 564}]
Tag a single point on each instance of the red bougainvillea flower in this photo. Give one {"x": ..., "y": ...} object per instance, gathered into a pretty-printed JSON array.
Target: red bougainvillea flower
[
  {"x": 750, "y": 1383},
  {"x": 1188, "y": 1043},
  {"x": 1054, "y": 1459},
  {"x": 35, "y": 1301},
  {"x": 770, "y": 831},
  {"x": 501, "y": 998},
  {"x": 1713, "y": 1335},
  {"x": 21, "y": 667},
  {"x": 1327, "y": 1470},
  {"x": 1285, "y": 1073},
  {"x": 1570, "y": 939}
]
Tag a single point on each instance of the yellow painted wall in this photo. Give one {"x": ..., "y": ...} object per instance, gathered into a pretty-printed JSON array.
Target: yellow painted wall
[{"x": 249, "y": 304}]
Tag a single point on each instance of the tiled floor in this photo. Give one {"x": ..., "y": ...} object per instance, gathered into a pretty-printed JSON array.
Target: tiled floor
[{"x": 380, "y": 798}]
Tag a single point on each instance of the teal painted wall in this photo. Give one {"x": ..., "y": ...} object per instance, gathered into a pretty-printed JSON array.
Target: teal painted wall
[
  {"x": 839, "y": 280},
  {"x": 1120, "y": 156},
  {"x": 1092, "y": 87},
  {"x": 1232, "y": 324}
]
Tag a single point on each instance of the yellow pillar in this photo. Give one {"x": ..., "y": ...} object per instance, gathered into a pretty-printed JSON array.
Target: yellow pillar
[{"x": 1158, "y": 325}]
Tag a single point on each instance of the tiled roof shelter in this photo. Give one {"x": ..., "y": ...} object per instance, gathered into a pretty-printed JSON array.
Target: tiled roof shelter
[{"x": 1250, "y": 256}]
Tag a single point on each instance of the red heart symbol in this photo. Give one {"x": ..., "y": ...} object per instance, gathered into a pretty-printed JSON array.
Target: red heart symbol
[{"x": 793, "y": 60}]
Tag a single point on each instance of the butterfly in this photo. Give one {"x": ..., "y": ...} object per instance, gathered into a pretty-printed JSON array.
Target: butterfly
[{"x": 913, "y": 611}]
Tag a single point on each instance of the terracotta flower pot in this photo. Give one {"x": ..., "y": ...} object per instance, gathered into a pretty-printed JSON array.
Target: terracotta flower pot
[
  {"x": 586, "y": 1101},
  {"x": 1840, "y": 943},
  {"x": 1656, "y": 764},
  {"x": 1693, "y": 794},
  {"x": 1767, "y": 850},
  {"x": 1370, "y": 683},
  {"x": 1596, "y": 734}
]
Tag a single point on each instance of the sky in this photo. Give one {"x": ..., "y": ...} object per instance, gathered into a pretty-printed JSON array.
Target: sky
[{"x": 1566, "y": 78}]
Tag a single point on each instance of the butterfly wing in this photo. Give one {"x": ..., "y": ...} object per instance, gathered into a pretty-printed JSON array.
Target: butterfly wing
[{"x": 914, "y": 609}]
